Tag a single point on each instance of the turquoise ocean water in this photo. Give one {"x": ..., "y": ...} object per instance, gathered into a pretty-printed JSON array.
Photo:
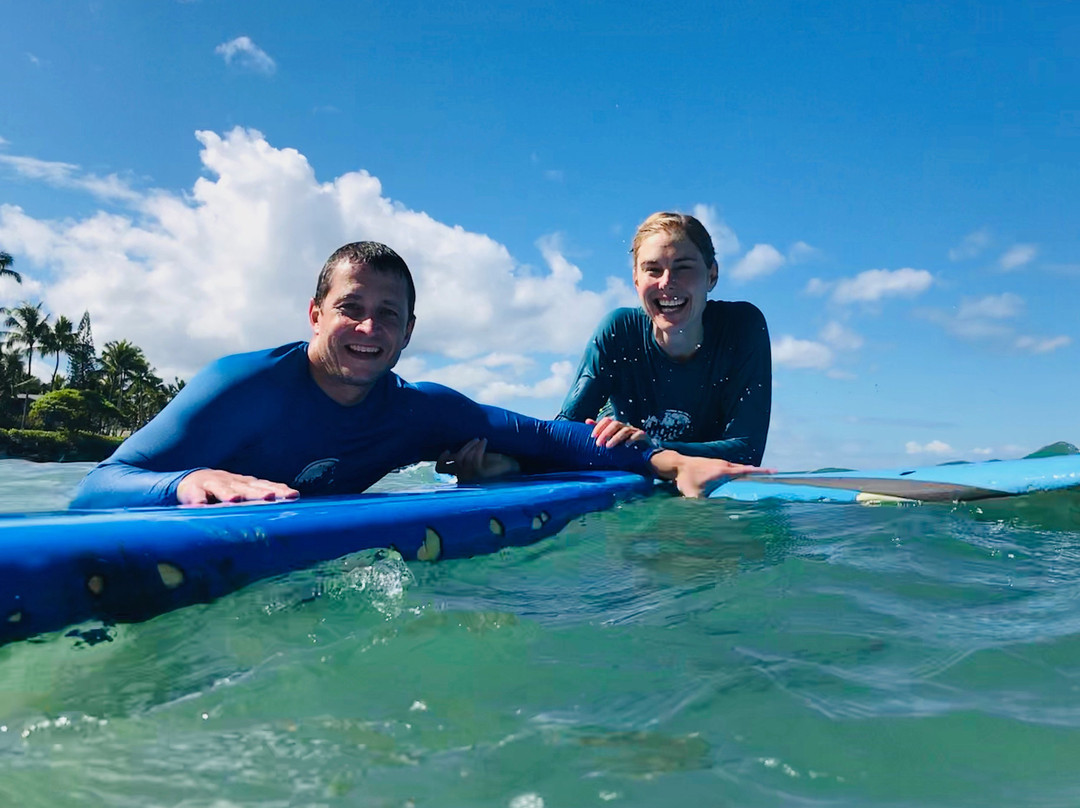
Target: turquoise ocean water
[{"x": 665, "y": 653}]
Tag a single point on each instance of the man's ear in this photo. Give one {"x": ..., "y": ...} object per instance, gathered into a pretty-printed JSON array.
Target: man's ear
[
  {"x": 313, "y": 316},
  {"x": 408, "y": 332},
  {"x": 714, "y": 273}
]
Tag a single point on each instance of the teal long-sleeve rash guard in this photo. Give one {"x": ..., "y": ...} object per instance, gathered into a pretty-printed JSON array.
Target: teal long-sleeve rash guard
[
  {"x": 715, "y": 404},
  {"x": 263, "y": 415}
]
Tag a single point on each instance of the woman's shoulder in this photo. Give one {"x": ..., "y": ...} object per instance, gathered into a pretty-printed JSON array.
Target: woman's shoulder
[
  {"x": 732, "y": 312},
  {"x": 623, "y": 320}
]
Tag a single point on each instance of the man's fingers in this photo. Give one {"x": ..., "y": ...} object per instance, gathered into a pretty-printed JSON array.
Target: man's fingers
[{"x": 212, "y": 485}]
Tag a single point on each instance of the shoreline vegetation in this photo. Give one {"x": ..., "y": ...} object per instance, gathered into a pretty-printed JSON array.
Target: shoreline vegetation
[{"x": 83, "y": 415}]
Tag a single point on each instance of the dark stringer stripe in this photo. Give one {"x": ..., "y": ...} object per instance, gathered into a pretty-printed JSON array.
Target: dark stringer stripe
[{"x": 909, "y": 489}]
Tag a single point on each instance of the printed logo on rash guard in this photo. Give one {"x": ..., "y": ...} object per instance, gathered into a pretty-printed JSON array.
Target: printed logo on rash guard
[
  {"x": 672, "y": 425},
  {"x": 317, "y": 476}
]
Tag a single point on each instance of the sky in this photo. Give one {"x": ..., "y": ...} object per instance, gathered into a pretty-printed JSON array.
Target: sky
[{"x": 895, "y": 185}]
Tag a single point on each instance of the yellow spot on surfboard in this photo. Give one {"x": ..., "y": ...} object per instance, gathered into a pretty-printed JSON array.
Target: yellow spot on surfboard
[
  {"x": 431, "y": 549},
  {"x": 497, "y": 527},
  {"x": 171, "y": 575}
]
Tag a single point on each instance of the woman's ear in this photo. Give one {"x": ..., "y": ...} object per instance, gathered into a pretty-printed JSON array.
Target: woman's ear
[{"x": 714, "y": 273}]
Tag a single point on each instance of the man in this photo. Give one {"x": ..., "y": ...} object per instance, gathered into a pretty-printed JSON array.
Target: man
[{"x": 329, "y": 416}]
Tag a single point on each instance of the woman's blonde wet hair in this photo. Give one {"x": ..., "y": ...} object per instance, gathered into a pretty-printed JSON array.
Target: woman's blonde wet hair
[{"x": 676, "y": 223}]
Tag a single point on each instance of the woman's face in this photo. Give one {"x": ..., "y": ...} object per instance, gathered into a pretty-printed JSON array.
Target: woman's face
[{"x": 673, "y": 284}]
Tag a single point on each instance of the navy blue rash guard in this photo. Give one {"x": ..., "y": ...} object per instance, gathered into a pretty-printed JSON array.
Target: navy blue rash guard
[
  {"x": 715, "y": 404},
  {"x": 262, "y": 414}
]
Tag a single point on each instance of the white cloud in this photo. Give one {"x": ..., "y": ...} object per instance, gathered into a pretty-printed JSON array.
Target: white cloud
[
  {"x": 800, "y": 252},
  {"x": 980, "y": 318},
  {"x": 34, "y": 60},
  {"x": 69, "y": 175},
  {"x": 230, "y": 264},
  {"x": 800, "y": 353},
  {"x": 972, "y": 245},
  {"x": 723, "y": 237},
  {"x": 983, "y": 451},
  {"x": 761, "y": 260},
  {"x": 1039, "y": 345},
  {"x": 935, "y": 447},
  {"x": 841, "y": 337},
  {"x": 555, "y": 175},
  {"x": 1017, "y": 256},
  {"x": 994, "y": 307},
  {"x": 876, "y": 284},
  {"x": 246, "y": 55},
  {"x": 496, "y": 378},
  {"x": 817, "y": 287}
]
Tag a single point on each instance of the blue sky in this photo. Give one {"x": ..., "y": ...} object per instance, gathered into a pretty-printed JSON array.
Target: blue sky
[{"x": 894, "y": 185}]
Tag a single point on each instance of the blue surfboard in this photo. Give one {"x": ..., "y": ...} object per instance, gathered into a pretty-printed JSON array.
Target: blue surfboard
[
  {"x": 948, "y": 483},
  {"x": 61, "y": 568}
]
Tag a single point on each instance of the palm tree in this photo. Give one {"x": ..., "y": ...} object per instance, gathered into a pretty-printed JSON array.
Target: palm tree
[
  {"x": 147, "y": 395},
  {"x": 5, "y": 267},
  {"x": 11, "y": 379},
  {"x": 60, "y": 339},
  {"x": 29, "y": 328},
  {"x": 121, "y": 361}
]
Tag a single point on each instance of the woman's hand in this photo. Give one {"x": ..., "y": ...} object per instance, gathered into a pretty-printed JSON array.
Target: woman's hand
[
  {"x": 609, "y": 432},
  {"x": 697, "y": 476}
]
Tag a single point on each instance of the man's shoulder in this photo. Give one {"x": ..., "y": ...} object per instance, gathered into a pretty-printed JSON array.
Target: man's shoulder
[
  {"x": 242, "y": 368},
  {"x": 265, "y": 359}
]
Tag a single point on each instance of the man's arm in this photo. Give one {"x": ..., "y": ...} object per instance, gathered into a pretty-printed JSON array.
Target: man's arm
[
  {"x": 563, "y": 445},
  {"x": 173, "y": 458}
]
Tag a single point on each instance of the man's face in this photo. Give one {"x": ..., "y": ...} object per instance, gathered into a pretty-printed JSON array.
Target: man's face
[{"x": 358, "y": 332}]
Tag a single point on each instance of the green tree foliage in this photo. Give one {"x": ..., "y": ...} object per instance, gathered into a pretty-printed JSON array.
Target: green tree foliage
[
  {"x": 115, "y": 394},
  {"x": 6, "y": 262},
  {"x": 28, "y": 327},
  {"x": 82, "y": 362},
  {"x": 62, "y": 411},
  {"x": 60, "y": 339}
]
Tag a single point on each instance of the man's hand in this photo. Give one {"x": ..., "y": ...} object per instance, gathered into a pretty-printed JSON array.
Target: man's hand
[
  {"x": 473, "y": 462},
  {"x": 213, "y": 485},
  {"x": 609, "y": 432},
  {"x": 696, "y": 476}
]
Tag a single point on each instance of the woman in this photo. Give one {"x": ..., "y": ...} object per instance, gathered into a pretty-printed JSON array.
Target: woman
[{"x": 687, "y": 373}]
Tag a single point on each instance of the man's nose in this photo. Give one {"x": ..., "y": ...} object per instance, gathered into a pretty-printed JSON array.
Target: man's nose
[{"x": 365, "y": 325}]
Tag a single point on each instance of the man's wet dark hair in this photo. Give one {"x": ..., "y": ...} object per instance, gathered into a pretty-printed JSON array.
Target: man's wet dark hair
[{"x": 370, "y": 254}]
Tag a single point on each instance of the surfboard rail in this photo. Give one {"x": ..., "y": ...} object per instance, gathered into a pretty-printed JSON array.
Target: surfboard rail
[
  {"x": 954, "y": 482},
  {"x": 61, "y": 568}
]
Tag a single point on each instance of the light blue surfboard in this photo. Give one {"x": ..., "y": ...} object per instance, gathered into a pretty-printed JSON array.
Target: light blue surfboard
[{"x": 949, "y": 483}]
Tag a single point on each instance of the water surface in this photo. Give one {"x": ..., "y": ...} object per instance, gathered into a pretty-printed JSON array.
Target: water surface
[{"x": 667, "y": 652}]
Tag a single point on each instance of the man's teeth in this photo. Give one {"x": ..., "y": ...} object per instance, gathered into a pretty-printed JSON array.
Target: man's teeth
[{"x": 364, "y": 349}]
